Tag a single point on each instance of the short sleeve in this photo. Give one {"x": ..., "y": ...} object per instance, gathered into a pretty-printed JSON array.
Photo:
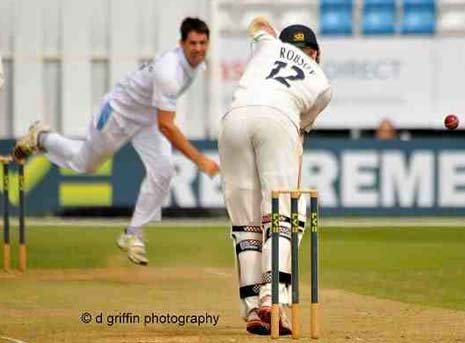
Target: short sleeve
[{"x": 165, "y": 87}]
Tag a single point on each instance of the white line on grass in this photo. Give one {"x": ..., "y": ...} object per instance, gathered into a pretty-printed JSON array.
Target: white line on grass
[
  {"x": 9, "y": 339},
  {"x": 393, "y": 222},
  {"x": 223, "y": 222},
  {"x": 218, "y": 273},
  {"x": 122, "y": 223}
]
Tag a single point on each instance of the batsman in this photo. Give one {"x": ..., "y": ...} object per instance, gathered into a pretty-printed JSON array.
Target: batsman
[{"x": 279, "y": 96}]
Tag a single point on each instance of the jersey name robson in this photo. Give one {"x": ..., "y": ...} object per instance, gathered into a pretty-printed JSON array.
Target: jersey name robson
[{"x": 292, "y": 56}]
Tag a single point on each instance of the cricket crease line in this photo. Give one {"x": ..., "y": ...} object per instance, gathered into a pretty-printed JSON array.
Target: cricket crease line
[
  {"x": 218, "y": 273},
  {"x": 11, "y": 339}
]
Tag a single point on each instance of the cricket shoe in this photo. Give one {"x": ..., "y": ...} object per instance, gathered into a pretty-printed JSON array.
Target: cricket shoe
[
  {"x": 135, "y": 248},
  {"x": 265, "y": 314},
  {"x": 29, "y": 143},
  {"x": 255, "y": 325}
]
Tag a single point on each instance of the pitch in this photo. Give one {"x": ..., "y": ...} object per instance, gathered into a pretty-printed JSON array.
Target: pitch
[{"x": 383, "y": 284}]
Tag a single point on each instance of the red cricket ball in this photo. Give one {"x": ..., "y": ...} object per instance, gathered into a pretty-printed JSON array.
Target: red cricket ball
[{"x": 451, "y": 122}]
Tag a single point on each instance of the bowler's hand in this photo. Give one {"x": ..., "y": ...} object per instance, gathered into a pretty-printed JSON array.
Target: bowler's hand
[{"x": 208, "y": 166}]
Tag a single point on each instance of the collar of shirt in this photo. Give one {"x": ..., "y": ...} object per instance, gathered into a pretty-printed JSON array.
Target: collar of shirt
[{"x": 190, "y": 71}]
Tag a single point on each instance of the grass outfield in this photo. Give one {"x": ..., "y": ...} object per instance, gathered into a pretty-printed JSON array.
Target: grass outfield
[{"x": 414, "y": 265}]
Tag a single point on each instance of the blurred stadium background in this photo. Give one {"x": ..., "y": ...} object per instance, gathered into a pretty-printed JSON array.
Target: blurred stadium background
[{"x": 394, "y": 60}]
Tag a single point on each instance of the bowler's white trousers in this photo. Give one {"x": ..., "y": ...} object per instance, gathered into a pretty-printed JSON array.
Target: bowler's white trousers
[
  {"x": 107, "y": 133},
  {"x": 260, "y": 150}
]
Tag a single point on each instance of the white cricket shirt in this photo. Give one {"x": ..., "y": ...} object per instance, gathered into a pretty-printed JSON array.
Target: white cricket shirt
[
  {"x": 282, "y": 76},
  {"x": 155, "y": 85}
]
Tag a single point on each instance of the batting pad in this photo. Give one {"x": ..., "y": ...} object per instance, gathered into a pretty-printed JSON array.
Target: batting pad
[{"x": 248, "y": 248}]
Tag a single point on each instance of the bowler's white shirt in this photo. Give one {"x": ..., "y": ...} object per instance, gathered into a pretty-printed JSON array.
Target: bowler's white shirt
[
  {"x": 155, "y": 85},
  {"x": 282, "y": 76}
]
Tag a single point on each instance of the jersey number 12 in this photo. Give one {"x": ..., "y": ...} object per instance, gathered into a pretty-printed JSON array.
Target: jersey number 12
[{"x": 298, "y": 74}]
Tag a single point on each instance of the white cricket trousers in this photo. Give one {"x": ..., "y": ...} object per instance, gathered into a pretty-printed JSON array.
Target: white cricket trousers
[
  {"x": 260, "y": 150},
  {"x": 107, "y": 133}
]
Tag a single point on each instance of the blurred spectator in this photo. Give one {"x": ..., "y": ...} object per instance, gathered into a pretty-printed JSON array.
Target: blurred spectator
[{"x": 386, "y": 130}]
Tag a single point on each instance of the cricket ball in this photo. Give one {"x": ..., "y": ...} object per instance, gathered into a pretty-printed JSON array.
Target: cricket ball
[{"x": 451, "y": 122}]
